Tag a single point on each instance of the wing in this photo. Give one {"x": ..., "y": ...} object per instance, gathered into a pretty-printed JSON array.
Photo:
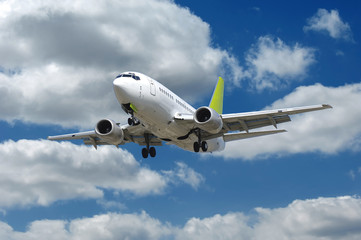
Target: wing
[
  {"x": 234, "y": 124},
  {"x": 134, "y": 134},
  {"x": 251, "y": 120}
]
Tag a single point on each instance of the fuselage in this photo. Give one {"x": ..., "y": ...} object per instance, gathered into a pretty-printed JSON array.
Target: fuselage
[{"x": 155, "y": 106}]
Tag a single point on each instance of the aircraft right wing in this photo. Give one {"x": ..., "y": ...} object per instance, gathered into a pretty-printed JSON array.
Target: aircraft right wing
[{"x": 134, "y": 134}]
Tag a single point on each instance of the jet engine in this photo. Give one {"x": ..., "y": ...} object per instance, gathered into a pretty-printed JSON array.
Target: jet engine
[
  {"x": 109, "y": 131},
  {"x": 208, "y": 120}
]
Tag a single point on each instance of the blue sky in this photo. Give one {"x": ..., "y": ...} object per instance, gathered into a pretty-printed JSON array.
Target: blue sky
[{"x": 56, "y": 70}]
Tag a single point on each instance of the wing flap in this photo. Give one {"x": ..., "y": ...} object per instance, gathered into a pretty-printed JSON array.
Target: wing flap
[
  {"x": 237, "y": 136},
  {"x": 246, "y": 125}
]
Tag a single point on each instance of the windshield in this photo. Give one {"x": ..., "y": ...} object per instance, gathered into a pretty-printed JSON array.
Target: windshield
[{"x": 129, "y": 75}]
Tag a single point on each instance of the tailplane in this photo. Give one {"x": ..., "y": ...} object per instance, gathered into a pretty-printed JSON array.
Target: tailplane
[{"x": 217, "y": 98}]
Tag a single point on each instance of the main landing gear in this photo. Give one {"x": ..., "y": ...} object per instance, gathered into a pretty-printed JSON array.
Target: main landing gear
[
  {"x": 151, "y": 151},
  {"x": 148, "y": 150},
  {"x": 200, "y": 143}
]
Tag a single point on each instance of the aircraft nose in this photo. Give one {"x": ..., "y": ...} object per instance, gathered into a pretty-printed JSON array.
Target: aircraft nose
[{"x": 120, "y": 89}]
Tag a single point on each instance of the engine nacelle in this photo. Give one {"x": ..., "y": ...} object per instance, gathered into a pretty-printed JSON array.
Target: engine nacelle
[
  {"x": 109, "y": 131},
  {"x": 208, "y": 120}
]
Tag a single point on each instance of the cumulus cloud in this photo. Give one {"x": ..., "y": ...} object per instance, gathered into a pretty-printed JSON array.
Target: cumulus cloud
[
  {"x": 322, "y": 218},
  {"x": 61, "y": 57},
  {"x": 39, "y": 172},
  {"x": 184, "y": 174},
  {"x": 327, "y": 131},
  {"x": 273, "y": 64},
  {"x": 329, "y": 22},
  {"x": 229, "y": 226}
]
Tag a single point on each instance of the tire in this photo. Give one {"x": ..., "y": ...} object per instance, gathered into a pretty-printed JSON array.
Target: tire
[
  {"x": 145, "y": 153},
  {"x": 204, "y": 146},
  {"x": 130, "y": 122},
  {"x": 196, "y": 147},
  {"x": 152, "y": 152}
]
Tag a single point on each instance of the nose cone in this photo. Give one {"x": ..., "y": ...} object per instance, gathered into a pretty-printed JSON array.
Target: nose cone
[{"x": 121, "y": 89}]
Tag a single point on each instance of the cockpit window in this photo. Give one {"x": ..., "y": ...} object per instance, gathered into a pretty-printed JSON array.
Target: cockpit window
[{"x": 131, "y": 75}]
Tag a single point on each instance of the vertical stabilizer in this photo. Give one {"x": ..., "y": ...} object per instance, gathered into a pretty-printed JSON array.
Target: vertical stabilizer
[{"x": 217, "y": 98}]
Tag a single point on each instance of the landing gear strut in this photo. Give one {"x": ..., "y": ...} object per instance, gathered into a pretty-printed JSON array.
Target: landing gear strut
[
  {"x": 148, "y": 150},
  {"x": 132, "y": 121},
  {"x": 200, "y": 143}
]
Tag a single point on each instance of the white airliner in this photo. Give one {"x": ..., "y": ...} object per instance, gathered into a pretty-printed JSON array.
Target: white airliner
[{"x": 158, "y": 115}]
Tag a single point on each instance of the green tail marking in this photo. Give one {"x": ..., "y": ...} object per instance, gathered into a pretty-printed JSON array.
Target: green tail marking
[{"x": 217, "y": 98}]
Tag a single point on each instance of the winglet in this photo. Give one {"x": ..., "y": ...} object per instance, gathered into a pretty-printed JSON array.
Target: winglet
[{"x": 217, "y": 98}]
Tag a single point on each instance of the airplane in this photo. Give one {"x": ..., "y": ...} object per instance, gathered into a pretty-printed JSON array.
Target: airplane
[{"x": 157, "y": 116}]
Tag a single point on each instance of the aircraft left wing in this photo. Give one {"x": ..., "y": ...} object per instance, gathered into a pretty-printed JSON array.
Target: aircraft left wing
[
  {"x": 234, "y": 124},
  {"x": 251, "y": 120}
]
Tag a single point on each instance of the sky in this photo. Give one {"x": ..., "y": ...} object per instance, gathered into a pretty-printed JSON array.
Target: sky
[{"x": 58, "y": 61}]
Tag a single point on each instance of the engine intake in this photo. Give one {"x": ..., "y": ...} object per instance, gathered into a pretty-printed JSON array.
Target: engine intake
[
  {"x": 109, "y": 131},
  {"x": 208, "y": 120}
]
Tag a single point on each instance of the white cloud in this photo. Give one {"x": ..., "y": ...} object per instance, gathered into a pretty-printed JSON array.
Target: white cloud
[
  {"x": 119, "y": 226},
  {"x": 41, "y": 172},
  {"x": 353, "y": 174},
  {"x": 273, "y": 64},
  {"x": 315, "y": 219},
  {"x": 62, "y": 56},
  {"x": 330, "y": 22},
  {"x": 184, "y": 174},
  {"x": 322, "y": 218},
  {"x": 229, "y": 226},
  {"x": 328, "y": 131}
]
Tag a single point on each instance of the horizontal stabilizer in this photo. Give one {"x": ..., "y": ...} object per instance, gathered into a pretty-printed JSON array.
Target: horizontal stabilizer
[{"x": 237, "y": 136}]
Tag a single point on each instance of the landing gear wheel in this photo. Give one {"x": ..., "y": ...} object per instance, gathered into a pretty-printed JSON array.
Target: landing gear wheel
[
  {"x": 130, "y": 122},
  {"x": 196, "y": 147},
  {"x": 204, "y": 146},
  {"x": 145, "y": 152},
  {"x": 152, "y": 152}
]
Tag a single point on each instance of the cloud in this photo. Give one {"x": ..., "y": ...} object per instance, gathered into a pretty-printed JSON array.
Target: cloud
[
  {"x": 327, "y": 131},
  {"x": 321, "y": 218},
  {"x": 184, "y": 174},
  {"x": 354, "y": 173},
  {"x": 229, "y": 226},
  {"x": 62, "y": 56},
  {"x": 41, "y": 172},
  {"x": 119, "y": 226},
  {"x": 330, "y": 22},
  {"x": 273, "y": 64}
]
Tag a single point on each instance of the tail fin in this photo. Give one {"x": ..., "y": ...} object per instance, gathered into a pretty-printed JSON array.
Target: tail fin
[{"x": 217, "y": 98}]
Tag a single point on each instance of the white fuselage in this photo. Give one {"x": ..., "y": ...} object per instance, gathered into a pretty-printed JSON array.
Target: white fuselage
[{"x": 156, "y": 107}]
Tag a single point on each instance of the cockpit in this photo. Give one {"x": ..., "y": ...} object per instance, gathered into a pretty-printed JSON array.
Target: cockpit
[{"x": 129, "y": 75}]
